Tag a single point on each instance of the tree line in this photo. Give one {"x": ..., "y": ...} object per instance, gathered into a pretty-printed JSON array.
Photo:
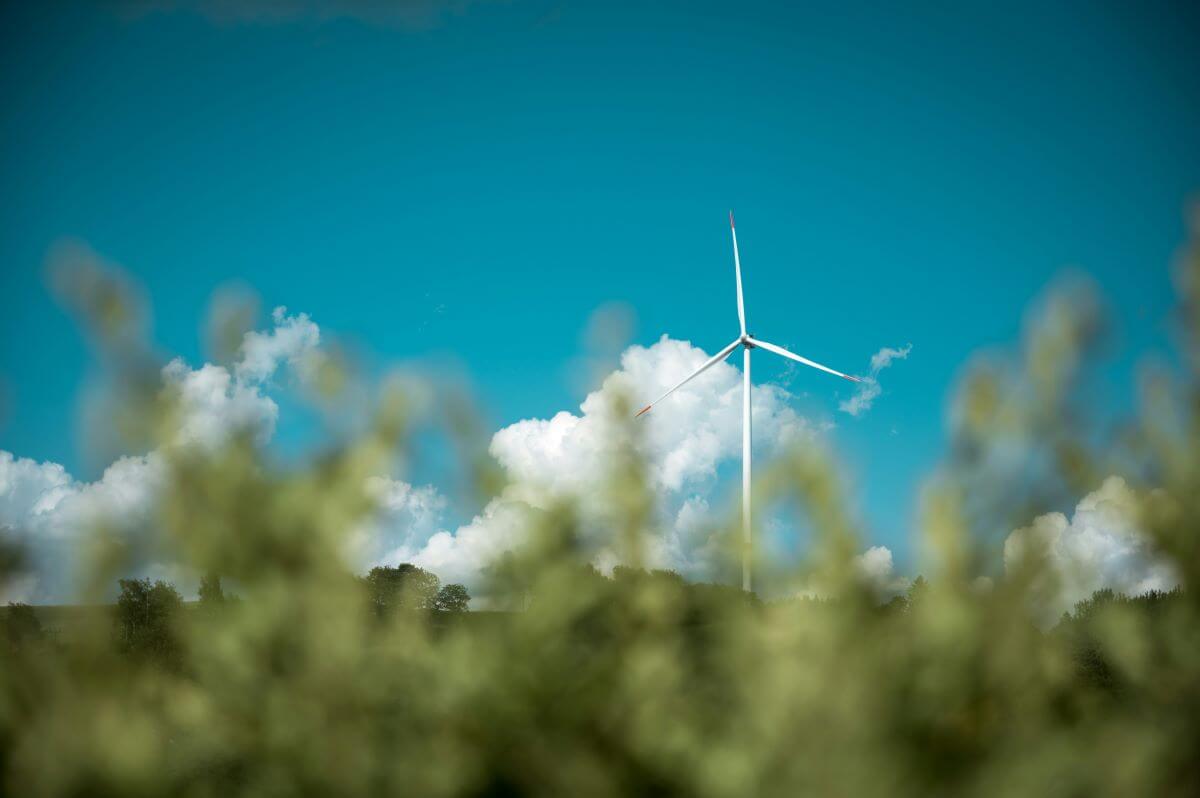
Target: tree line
[{"x": 146, "y": 612}]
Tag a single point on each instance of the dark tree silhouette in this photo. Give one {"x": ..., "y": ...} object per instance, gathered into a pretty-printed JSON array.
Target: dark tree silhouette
[
  {"x": 404, "y": 586},
  {"x": 147, "y": 614},
  {"x": 1080, "y": 628},
  {"x": 21, "y": 626},
  {"x": 211, "y": 594},
  {"x": 453, "y": 598}
]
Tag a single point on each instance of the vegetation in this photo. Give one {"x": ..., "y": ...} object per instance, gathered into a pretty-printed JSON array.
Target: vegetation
[
  {"x": 407, "y": 587},
  {"x": 211, "y": 594},
  {"x": 147, "y": 619},
  {"x": 317, "y": 681},
  {"x": 22, "y": 627}
]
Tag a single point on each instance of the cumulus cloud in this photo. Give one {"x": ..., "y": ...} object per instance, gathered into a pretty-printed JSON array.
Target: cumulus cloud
[
  {"x": 30, "y": 489},
  {"x": 685, "y": 440},
  {"x": 406, "y": 517},
  {"x": 214, "y": 402},
  {"x": 875, "y": 564},
  {"x": 211, "y": 405},
  {"x": 46, "y": 511},
  {"x": 1100, "y": 546},
  {"x": 463, "y": 555},
  {"x": 292, "y": 340},
  {"x": 869, "y": 389},
  {"x": 685, "y": 437}
]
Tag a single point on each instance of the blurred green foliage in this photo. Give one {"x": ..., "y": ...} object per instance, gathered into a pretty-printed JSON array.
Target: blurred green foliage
[{"x": 641, "y": 683}]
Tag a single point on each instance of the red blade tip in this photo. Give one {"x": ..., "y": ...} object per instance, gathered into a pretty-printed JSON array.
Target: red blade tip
[
  {"x": 731, "y": 218},
  {"x": 643, "y": 410}
]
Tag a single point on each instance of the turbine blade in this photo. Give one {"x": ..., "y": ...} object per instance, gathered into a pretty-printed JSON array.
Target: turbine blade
[
  {"x": 737, "y": 270},
  {"x": 712, "y": 361},
  {"x": 779, "y": 350}
]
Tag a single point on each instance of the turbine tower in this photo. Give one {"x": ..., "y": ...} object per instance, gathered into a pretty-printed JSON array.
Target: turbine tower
[{"x": 748, "y": 343}]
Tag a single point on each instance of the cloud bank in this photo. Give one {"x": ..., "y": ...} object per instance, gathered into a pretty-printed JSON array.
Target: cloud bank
[{"x": 684, "y": 443}]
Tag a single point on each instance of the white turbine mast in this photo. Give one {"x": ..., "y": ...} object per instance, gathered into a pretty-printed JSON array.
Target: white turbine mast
[{"x": 748, "y": 343}]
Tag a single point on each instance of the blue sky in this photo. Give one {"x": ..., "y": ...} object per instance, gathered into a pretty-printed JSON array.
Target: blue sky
[{"x": 471, "y": 184}]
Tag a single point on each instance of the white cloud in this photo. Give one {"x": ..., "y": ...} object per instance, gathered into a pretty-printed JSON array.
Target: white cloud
[
  {"x": 685, "y": 437},
  {"x": 1100, "y": 546},
  {"x": 869, "y": 389},
  {"x": 463, "y": 555},
  {"x": 685, "y": 440},
  {"x": 884, "y": 357},
  {"x": 407, "y": 516},
  {"x": 292, "y": 340},
  {"x": 47, "y": 512},
  {"x": 875, "y": 564},
  {"x": 30, "y": 490},
  {"x": 214, "y": 403}
]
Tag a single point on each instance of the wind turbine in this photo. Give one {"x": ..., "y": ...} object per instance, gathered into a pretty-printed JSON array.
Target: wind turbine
[{"x": 748, "y": 343}]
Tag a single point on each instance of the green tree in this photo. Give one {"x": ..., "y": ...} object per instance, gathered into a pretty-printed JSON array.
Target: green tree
[
  {"x": 21, "y": 625},
  {"x": 917, "y": 591},
  {"x": 453, "y": 598},
  {"x": 146, "y": 619},
  {"x": 211, "y": 594},
  {"x": 404, "y": 586},
  {"x": 1083, "y": 630}
]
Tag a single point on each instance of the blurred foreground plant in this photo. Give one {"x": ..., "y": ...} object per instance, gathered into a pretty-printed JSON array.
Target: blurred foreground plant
[{"x": 641, "y": 683}]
